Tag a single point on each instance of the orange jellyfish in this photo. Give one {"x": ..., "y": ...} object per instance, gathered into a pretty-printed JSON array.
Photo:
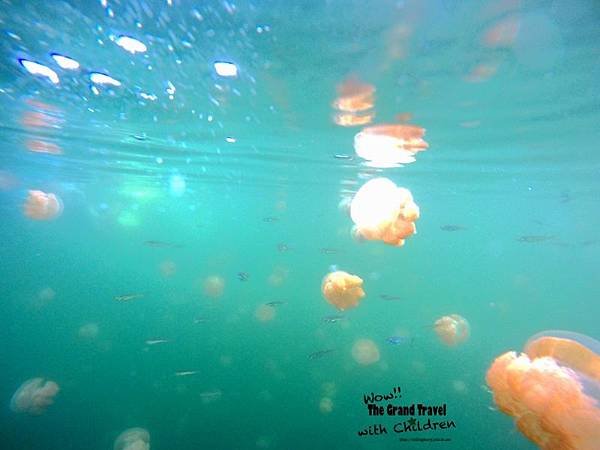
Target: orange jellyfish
[
  {"x": 354, "y": 103},
  {"x": 452, "y": 330},
  {"x": 213, "y": 286},
  {"x": 34, "y": 396},
  {"x": 42, "y": 206},
  {"x": 133, "y": 439},
  {"x": 390, "y": 145},
  {"x": 365, "y": 352},
  {"x": 342, "y": 289},
  {"x": 552, "y": 390},
  {"x": 383, "y": 211}
]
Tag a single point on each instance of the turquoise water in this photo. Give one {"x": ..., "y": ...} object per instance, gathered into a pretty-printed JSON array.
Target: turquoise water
[{"x": 180, "y": 174}]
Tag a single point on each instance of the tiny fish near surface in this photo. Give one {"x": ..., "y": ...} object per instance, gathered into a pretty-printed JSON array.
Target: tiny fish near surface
[
  {"x": 450, "y": 227},
  {"x": 320, "y": 354},
  {"x": 128, "y": 297},
  {"x": 333, "y": 319},
  {"x": 534, "y": 238},
  {"x": 399, "y": 340}
]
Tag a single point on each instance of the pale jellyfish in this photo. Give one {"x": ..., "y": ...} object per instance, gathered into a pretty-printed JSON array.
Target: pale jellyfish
[
  {"x": 213, "y": 286},
  {"x": 34, "y": 396},
  {"x": 133, "y": 439},
  {"x": 88, "y": 331},
  {"x": 552, "y": 390},
  {"x": 168, "y": 268},
  {"x": 342, "y": 289},
  {"x": 42, "y": 206},
  {"x": 265, "y": 313},
  {"x": 326, "y": 405},
  {"x": 452, "y": 330},
  {"x": 365, "y": 352},
  {"x": 46, "y": 295},
  {"x": 278, "y": 276}
]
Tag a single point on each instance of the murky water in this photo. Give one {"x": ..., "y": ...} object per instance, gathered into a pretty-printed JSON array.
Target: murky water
[{"x": 175, "y": 182}]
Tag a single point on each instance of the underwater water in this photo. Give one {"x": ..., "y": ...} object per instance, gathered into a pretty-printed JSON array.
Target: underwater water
[{"x": 173, "y": 282}]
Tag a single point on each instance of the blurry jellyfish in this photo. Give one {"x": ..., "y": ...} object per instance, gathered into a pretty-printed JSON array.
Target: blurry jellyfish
[
  {"x": 552, "y": 390},
  {"x": 354, "y": 103},
  {"x": 42, "y": 206},
  {"x": 365, "y": 352},
  {"x": 46, "y": 294},
  {"x": 382, "y": 211},
  {"x": 452, "y": 330},
  {"x": 503, "y": 33},
  {"x": 168, "y": 268},
  {"x": 88, "y": 331},
  {"x": 133, "y": 439},
  {"x": 459, "y": 386},
  {"x": 390, "y": 145},
  {"x": 278, "y": 276},
  {"x": 342, "y": 289},
  {"x": 40, "y": 146},
  {"x": 34, "y": 396},
  {"x": 265, "y": 313},
  {"x": 326, "y": 405},
  {"x": 213, "y": 286}
]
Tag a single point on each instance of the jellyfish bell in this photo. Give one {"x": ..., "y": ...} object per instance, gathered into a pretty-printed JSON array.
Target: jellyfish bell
[
  {"x": 326, "y": 405},
  {"x": 133, "y": 439},
  {"x": 365, "y": 352},
  {"x": 342, "y": 289},
  {"x": 213, "y": 286},
  {"x": 34, "y": 396},
  {"x": 452, "y": 330},
  {"x": 40, "y": 205}
]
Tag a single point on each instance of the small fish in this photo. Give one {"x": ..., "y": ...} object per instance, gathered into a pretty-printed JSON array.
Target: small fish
[
  {"x": 333, "y": 319},
  {"x": 399, "y": 340},
  {"x": 282, "y": 248},
  {"x": 342, "y": 156},
  {"x": 270, "y": 219},
  {"x": 275, "y": 303},
  {"x": 329, "y": 251},
  {"x": 161, "y": 244},
  {"x": 156, "y": 341},
  {"x": 186, "y": 373},
  {"x": 452, "y": 228},
  {"x": 243, "y": 276},
  {"x": 534, "y": 238},
  {"x": 320, "y": 354},
  {"x": 128, "y": 297},
  {"x": 390, "y": 297},
  {"x": 200, "y": 319}
]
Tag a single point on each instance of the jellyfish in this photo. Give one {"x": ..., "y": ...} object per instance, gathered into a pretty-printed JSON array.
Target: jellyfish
[
  {"x": 133, "y": 439},
  {"x": 383, "y": 211},
  {"x": 552, "y": 390},
  {"x": 167, "y": 268},
  {"x": 42, "y": 206},
  {"x": 452, "y": 330},
  {"x": 390, "y": 145},
  {"x": 34, "y": 396},
  {"x": 354, "y": 103},
  {"x": 265, "y": 313},
  {"x": 326, "y": 405},
  {"x": 342, "y": 289},
  {"x": 213, "y": 286},
  {"x": 365, "y": 352},
  {"x": 88, "y": 331}
]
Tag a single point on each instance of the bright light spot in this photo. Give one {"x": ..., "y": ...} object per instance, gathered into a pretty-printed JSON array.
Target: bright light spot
[
  {"x": 375, "y": 202},
  {"x": 101, "y": 78},
  {"x": 131, "y": 45},
  {"x": 150, "y": 97},
  {"x": 65, "y": 62},
  {"x": 170, "y": 88},
  {"x": 177, "y": 185},
  {"x": 226, "y": 69},
  {"x": 159, "y": 160},
  {"x": 231, "y": 140},
  {"x": 39, "y": 69}
]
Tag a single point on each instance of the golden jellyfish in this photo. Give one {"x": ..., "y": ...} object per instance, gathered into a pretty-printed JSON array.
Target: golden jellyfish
[
  {"x": 365, "y": 352},
  {"x": 552, "y": 390},
  {"x": 213, "y": 286},
  {"x": 133, "y": 439},
  {"x": 383, "y": 211},
  {"x": 342, "y": 289},
  {"x": 453, "y": 329},
  {"x": 34, "y": 396},
  {"x": 42, "y": 206},
  {"x": 265, "y": 313},
  {"x": 390, "y": 145},
  {"x": 354, "y": 103}
]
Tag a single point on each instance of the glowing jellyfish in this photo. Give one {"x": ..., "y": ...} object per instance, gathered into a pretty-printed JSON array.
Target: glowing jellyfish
[
  {"x": 552, "y": 390},
  {"x": 265, "y": 313},
  {"x": 365, "y": 352},
  {"x": 390, "y": 145},
  {"x": 342, "y": 289},
  {"x": 213, "y": 286},
  {"x": 383, "y": 211},
  {"x": 42, "y": 206},
  {"x": 452, "y": 330},
  {"x": 326, "y": 405},
  {"x": 133, "y": 439},
  {"x": 34, "y": 396}
]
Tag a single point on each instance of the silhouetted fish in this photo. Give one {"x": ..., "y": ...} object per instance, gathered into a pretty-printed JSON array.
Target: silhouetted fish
[
  {"x": 320, "y": 354},
  {"x": 128, "y": 297},
  {"x": 342, "y": 156},
  {"x": 156, "y": 341},
  {"x": 534, "y": 238},
  {"x": 399, "y": 340},
  {"x": 200, "y": 319},
  {"x": 329, "y": 251},
  {"x": 333, "y": 319},
  {"x": 390, "y": 297},
  {"x": 243, "y": 276},
  {"x": 186, "y": 373},
  {"x": 281, "y": 247},
  {"x": 270, "y": 219},
  {"x": 275, "y": 303},
  {"x": 452, "y": 227}
]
